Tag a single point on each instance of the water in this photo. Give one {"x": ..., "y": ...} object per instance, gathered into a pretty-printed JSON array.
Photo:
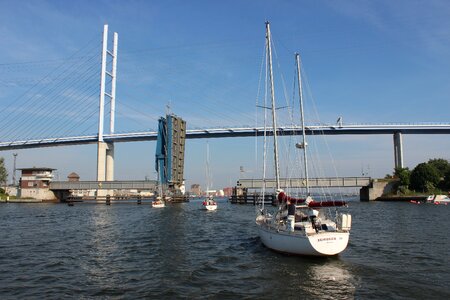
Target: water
[{"x": 396, "y": 250}]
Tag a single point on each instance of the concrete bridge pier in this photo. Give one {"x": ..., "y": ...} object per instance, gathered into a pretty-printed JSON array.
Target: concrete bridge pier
[
  {"x": 101, "y": 161},
  {"x": 109, "y": 162},
  {"x": 105, "y": 165},
  {"x": 105, "y": 161},
  {"x": 398, "y": 150}
]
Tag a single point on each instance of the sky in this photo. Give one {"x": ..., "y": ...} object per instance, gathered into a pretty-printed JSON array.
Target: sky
[{"x": 365, "y": 61}]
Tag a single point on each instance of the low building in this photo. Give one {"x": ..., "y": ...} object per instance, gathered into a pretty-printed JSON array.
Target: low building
[
  {"x": 210, "y": 193},
  {"x": 35, "y": 182},
  {"x": 11, "y": 190},
  {"x": 73, "y": 177},
  {"x": 196, "y": 190},
  {"x": 227, "y": 191}
]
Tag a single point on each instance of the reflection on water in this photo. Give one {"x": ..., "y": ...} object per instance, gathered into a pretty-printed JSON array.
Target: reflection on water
[
  {"x": 102, "y": 247},
  {"x": 329, "y": 280},
  {"x": 181, "y": 251}
]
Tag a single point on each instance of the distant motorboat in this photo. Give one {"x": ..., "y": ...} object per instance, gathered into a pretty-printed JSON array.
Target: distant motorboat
[
  {"x": 415, "y": 202},
  {"x": 438, "y": 199}
]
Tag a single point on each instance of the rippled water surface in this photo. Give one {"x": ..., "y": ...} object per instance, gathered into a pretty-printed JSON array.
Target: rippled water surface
[{"x": 396, "y": 250}]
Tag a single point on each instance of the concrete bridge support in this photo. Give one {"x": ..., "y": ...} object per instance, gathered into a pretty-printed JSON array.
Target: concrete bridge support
[
  {"x": 398, "y": 150},
  {"x": 376, "y": 189},
  {"x": 105, "y": 161},
  {"x": 105, "y": 165},
  {"x": 101, "y": 161},
  {"x": 109, "y": 162}
]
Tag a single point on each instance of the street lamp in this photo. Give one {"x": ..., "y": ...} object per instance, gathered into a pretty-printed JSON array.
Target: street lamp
[{"x": 14, "y": 170}]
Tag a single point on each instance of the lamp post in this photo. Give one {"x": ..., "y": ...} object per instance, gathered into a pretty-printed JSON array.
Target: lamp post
[{"x": 14, "y": 170}]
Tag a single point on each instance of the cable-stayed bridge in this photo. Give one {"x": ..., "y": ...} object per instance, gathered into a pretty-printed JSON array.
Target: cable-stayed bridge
[{"x": 64, "y": 104}]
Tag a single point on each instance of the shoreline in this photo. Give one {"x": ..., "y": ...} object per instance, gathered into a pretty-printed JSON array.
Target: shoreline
[{"x": 401, "y": 198}]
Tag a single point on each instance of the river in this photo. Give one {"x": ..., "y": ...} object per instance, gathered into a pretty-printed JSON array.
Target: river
[{"x": 396, "y": 251}]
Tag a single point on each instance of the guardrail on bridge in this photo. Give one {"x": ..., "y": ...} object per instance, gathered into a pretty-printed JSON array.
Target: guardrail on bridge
[
  {"x": 301, "y": 182},
  {"x": 104, "y": 185}
]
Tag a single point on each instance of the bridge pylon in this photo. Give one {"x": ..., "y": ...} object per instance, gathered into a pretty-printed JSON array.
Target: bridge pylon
[
  {"x": 398, "y": 150},
  {"x": 105, "y": 151}
]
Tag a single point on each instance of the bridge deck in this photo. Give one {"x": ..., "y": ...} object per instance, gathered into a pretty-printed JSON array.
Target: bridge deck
[
  {"x": 104, "y": 185},
  {"x": 235, "y": 132},
  {"x": 301, "y": 183}
]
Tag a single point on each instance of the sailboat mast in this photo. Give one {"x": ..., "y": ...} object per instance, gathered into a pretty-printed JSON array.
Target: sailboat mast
[
  {"x": 274, "y": 118},
  {"x": 300, "y": 92}
]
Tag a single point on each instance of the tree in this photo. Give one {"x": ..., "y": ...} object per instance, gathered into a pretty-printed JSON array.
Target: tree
[
  {"x": 446, "y": 181},
  {"x": 441, "y": 165},
  {"x": 424, "y": 177},
  {"x": 3, "y": 172},
  {"x": 403, "y": 174}
]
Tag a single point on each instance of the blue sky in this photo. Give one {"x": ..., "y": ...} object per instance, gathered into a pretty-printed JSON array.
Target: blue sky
[{"x": 366, "y": 61}]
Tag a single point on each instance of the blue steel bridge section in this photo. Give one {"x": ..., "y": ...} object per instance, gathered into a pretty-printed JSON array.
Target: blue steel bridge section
[
  {"x": 169, "y": 154},
  {"x": 161, "y": 151},
  {"x": 245, "y": 131}
]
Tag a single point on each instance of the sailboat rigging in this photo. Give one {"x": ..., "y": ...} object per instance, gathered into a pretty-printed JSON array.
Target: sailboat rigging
[
  {"x": 208, "y": 203},
  {"x": 299, "y": 226}
]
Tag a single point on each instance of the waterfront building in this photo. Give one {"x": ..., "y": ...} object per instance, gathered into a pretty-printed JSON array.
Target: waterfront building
[
  {"x": 227, "y": 191},
  {"x": 73, "y": 177},
  {"x": 196, "y": 189},
  {"x": 210, "y": 193},
  {"x": 35, "y": 182}
]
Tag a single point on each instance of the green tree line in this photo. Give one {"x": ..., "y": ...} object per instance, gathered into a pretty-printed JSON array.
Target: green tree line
[
  {"x": 427, "y": 177},
  {"x": 3, "y": 172}
]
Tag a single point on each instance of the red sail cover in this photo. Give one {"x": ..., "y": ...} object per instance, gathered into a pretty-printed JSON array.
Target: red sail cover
[
  {"x": 282, "y": 197},
  {"x": 315, "y": 204}
]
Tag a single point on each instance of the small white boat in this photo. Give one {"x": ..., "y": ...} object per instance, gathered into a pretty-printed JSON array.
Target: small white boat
[
  {"x": 209, "y": 204},
  {"x": 438, "y": 199},
  {"x": 158, "y": 203}
]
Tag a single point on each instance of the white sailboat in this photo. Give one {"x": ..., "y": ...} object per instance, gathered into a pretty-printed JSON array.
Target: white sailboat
[
  {"x": 209, "y": 203},
  {"x": 299, "y": 226},
  {"x": 159, "y": 201}
]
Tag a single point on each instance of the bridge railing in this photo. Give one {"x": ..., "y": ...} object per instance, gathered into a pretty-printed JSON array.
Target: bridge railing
[
  {"x": 301, "y": 182},
  {"x": 104, "y": 185}
]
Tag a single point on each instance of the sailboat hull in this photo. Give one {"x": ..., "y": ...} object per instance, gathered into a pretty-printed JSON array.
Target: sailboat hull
[
  {"x": 320, "y": 244},
  {"x": 210, "y": 207},
  {"x": 158, "y": 204}
]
